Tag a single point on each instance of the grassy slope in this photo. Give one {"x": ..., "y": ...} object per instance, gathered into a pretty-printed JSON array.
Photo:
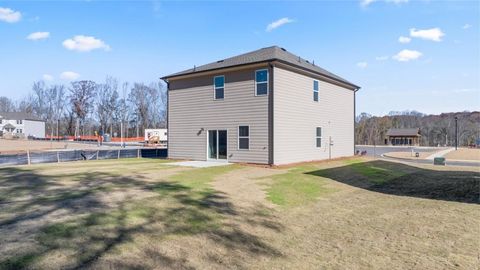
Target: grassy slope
[{"x": 302, "y": 184}]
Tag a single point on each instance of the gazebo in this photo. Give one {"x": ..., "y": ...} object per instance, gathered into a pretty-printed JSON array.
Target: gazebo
[{"x": 403, "y": 136}]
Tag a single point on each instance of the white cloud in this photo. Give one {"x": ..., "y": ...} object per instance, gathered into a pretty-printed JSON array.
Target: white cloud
[
  {"x": 47, "y": 77},
  {"x": 274, "y": 25},
  {"x": 362, "y": 65},
  {"x": 404, "y": 40},
  {"x": 85, "y": 44},
  {"x": 38, "y": 35},
  {"x": 407, "y": 55},
  {"x": 466, "y": 26},
  {"x": 365, "y": 3},
  {"x": 9, "y": 15},
  {"x": 381, "y": 58},
  {"x": 69, "y": 75},
  {"x": 434, "y": 34},
  {"x": 465, "y": 90}
]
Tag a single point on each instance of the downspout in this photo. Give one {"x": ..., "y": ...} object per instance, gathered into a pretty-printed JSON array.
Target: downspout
[
  {"x": 168, "y": 109},
  {"x": 354, "y": 117},
  {"x": 271, "y": 116}
]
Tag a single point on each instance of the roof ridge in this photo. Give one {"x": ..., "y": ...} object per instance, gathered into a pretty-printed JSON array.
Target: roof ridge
[{"x": 265, "y": 54}]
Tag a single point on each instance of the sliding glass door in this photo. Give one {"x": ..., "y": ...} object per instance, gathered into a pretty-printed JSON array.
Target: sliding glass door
[{"x": 217, "y": 144}]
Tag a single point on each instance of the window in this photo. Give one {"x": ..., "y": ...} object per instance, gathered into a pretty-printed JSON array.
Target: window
[
  {"x": 19, "y": 131},
  {"x": 315, "y": 90},
  {"x": 219, "y": 86},
  {"x": 19, "y": 122},
  {"x": 261, "y": 82},
  {"x": 319, "y": 137},
  {"x": 244, "y": 137}
]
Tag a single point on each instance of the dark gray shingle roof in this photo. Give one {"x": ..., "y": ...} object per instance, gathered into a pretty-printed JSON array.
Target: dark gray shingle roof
[
  {"x": 403, "y": 132},
  {"x": 17, "y": 116},
  {"x": 9, "y": 126},
  {"x": 264, "y": 55}
]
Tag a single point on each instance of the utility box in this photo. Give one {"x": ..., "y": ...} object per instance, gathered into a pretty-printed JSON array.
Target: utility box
[
  {"x": 107, "y": 138},
  {"x": 439, "y": 161}
]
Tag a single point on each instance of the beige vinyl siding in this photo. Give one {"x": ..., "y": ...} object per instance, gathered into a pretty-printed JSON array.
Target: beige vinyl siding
[
  {"x": 192, "y": 107},
  {"x": 296, "y": 117}
]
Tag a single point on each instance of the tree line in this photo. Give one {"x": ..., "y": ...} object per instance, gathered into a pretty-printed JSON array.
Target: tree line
[
  {"x": 84, "y": 108},
  {"x": 436, "y": 130}
]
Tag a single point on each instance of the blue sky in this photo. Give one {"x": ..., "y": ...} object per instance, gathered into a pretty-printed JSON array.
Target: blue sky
[{"x": 406, "y": 55}]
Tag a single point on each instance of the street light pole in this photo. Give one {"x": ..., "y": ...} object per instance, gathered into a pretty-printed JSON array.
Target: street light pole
[{"x": 456, "y": 132}]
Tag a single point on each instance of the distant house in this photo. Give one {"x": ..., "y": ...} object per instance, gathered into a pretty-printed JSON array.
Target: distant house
[
  {"x": 267, "y": 106},
  {"x": 403, "y": 136},
  {"x": 19, "y": 124}
]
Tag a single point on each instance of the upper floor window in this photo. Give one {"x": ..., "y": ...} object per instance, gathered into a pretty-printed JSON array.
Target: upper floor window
[
  {"x": 19, "y": 122},
  {"x": 219, "y": 87},
  {"x": 318, "y": 137},
  {"x": 261, "y": 82},
  {"x": 315, "y": 90}
]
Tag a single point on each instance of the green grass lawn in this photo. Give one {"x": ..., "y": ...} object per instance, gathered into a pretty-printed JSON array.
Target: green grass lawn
[{"x": 296, "y": 188}]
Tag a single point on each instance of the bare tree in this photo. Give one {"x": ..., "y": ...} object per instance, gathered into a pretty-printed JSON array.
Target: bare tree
[
  {"x": 123, "y": 112},
  {"x": 39, "y": 100},
  {"x": 6, "y": 104},
  {"x": 107, "y": 103},
  {"x": 82, "y": 97},
  {"x": 435, "y": 129},
  {"x": 139, "y": 97},
  {"x": 55, "y": 104}
]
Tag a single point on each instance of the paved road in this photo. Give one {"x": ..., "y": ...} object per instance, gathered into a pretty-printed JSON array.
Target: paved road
[{"x": 378, "y": 151}]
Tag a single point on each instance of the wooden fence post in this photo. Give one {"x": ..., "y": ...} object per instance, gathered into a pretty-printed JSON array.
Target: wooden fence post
[
  {"x": 28, "y": 157},
  {"x": 58, "y": 157}
]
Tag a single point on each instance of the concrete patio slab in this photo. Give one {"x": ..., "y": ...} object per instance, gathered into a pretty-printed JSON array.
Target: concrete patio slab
[{"x": 199, "y": 164}]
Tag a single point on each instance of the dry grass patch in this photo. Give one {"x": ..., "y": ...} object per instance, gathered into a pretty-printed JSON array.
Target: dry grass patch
[
  {"x": 18, "y": 145},
  {"x": 464, "y": 154},
  {"x": 409, "y": 155}
]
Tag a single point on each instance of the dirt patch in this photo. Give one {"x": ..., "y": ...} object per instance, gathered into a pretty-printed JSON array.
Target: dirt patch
[
  {"x": 242, "y": 187},
  {"x": 16, "y": 146},
  {"x": 464, "y": 154}
]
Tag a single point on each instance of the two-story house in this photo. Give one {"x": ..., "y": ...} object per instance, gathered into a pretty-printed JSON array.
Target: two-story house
[
  {"x": 21, "y": 124},
  {"x": 268, "y": 106}
]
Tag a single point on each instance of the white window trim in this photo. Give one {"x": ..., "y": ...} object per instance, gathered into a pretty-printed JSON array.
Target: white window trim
[
  {"x": 318, "y": 137},
  {"x": 317, "y": 91},
  {"x": 238, "y": 138},
  {"x": 268, "y": 84},
  {"x": 215, "y": 88}
]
